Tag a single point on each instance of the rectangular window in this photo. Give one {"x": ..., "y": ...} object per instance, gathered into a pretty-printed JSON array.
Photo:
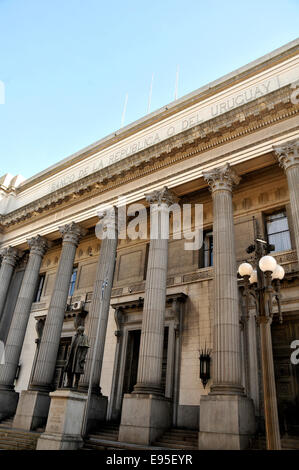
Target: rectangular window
[
  {"x": 73, "y": 281},
  {"x": 39, "y": 291},
  {"x": 278, "y": 231},
  {"x": 206, "y": 252}
]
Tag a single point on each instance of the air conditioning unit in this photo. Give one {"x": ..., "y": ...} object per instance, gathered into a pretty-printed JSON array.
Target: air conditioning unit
[{"x": 78, "y": 305}]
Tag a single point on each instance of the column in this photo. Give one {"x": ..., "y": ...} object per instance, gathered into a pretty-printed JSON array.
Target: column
[
  {"x": 152, "y": 331},
  {"x": 34, "y": 403},
  {"x": 226, "y": 415},
  {"x": 288, "y": 158},
  {"x": 8, "y": 401},
  {"x": 99, "y": 312},
  {"x": 146, "y": 413},
  {"x": 226, "y": 350},
  {"x": 46, "y": 359},
  {"x": 9, "y": 257}
]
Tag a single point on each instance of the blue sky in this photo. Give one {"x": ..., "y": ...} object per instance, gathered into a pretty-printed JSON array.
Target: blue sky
[{"x": 68, "y": 64}]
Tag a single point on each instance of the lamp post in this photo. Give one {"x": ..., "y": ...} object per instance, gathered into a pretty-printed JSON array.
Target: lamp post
[{"x": 262, "y": 284}]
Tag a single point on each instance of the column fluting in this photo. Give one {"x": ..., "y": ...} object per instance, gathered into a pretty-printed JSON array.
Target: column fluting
[
  {"x": 9, "y": 257},
  {"x": 49, "y": 345},
  {"x": 226, "y": 348},
  {"x": 152, "y": 332},
  {"x": 38, "y": 246},
  {"x": 97, "y": 311},
  {"x": 288, "y": 157}
]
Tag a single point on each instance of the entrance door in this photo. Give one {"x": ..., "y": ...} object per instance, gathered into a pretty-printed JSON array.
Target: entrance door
[
  {"x": 286, "y": 375},
  {"x": 60, "y": 362},
  {"x": 132, "y": 357}
]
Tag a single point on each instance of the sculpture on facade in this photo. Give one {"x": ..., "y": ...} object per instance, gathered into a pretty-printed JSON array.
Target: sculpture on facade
[{"x": 75, "y": 361}]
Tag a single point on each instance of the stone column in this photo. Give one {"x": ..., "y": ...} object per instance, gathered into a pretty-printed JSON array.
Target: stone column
[
  {"x": 288, "y": 157},
  {"x": 223, "y": 413},
  {"x": 34, "y": 404},
  {"x": 226, "y": 349},
  {"x": 8, "y": 397},
  {"x": 99, "y": 312},
  {"x": 146, "y": 413},
  {"x": 9, "y": 259}
]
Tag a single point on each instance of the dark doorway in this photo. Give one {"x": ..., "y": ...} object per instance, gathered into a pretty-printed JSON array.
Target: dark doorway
[
  {"x": 286, "y": 375},
  {"x": 131, "y": 367},
  {"x": 60, "y": 362},
  {"x": 132, "y": 357}
]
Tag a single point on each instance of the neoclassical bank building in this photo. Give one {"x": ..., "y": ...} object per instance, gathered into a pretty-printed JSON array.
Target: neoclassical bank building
[{"x": 186, "y": 348}]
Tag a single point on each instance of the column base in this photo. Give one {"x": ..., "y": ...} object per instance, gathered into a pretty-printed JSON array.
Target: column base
[
  {"x": 97, "y": 412},
  {"x": 64, "y": 425},
  {"x": 227, "y": 422},
  {"x": 32, "y": 410},
  {"x": 144, "y": 418},
  {"x": 8, "y": 403}
]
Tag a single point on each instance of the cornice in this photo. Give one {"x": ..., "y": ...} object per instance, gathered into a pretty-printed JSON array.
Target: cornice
[
  {"x": 223, "y": 129},
  {"x": 248, "y": 71}
]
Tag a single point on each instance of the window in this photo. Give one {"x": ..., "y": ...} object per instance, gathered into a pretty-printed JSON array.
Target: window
[
  {"x": 73, "y": 281},
  {"x": 41, "y": 283},
  {"x": 278, "y": 231},
  {"x": 206, "y": 252}
]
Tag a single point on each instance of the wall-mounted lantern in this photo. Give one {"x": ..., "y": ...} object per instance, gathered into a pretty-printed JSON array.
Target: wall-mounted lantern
[{"x": 205, "y": 366}]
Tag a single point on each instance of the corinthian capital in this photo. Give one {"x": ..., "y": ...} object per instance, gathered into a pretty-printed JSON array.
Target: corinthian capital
[
  {"x": 109, "y": 217},
  {"x": 10, "y": 255},
  {"x": 288, "y": 154},
  {"x": 72, "y": 233},
  {"x": 161, "y": 196},
  {"x": 38, "y": 245},
  {"x": 221, "y": 178}
]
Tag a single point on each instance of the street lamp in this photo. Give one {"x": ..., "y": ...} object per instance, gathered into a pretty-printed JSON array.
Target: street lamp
[{"x": 262, "y": 284}]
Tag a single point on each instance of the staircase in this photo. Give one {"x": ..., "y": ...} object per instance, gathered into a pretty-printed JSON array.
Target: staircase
[
  {"x": 17, "y": 439},
  {"x": 7, "y": 423},
  {"x": 105, "y": 438},
  {"x": 287, "y": 443},
  {"x": 178, "y": 439}
]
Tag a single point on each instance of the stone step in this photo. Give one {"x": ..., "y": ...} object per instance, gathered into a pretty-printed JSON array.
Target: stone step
[
  {"x": 4, "y": 446},
  {"x": 172, "y": 445},
  {"x": 183, "y": 431},
  {"x": 167, "y": 440},
  {"x": 101, "y": 444},
  {"x": 110, "y": 431},
  {"x": 181, "y": 437},
  {"x": 11, "y": 439},
  {"x": 7, "y": 423},
  {"x": 107, "y": 436},
  {"x": 290, "y": 443},
  {"x": 107, "y": 428},
  {"x": 17, "y": 432},
  {"x": 17, "y": 445}
]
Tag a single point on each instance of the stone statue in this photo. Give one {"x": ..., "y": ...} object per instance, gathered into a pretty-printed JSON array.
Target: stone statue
[{"x": 76, "y": 358}]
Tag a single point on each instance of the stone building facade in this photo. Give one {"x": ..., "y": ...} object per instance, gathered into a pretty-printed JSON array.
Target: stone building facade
[{"x": 232, "y": 147}]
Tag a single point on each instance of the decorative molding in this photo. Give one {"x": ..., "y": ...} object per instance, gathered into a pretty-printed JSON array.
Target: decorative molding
[
  {"x": 288, "y": 154},
  {"x": 222, "y": 178},
  {"x": 38, "y": 245},
  {"x": 162, "y": 196},
  {"x": 10, "y": 255},
  {"x": 234, "y": 124},
  {"x": 72, "y": 233}
]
